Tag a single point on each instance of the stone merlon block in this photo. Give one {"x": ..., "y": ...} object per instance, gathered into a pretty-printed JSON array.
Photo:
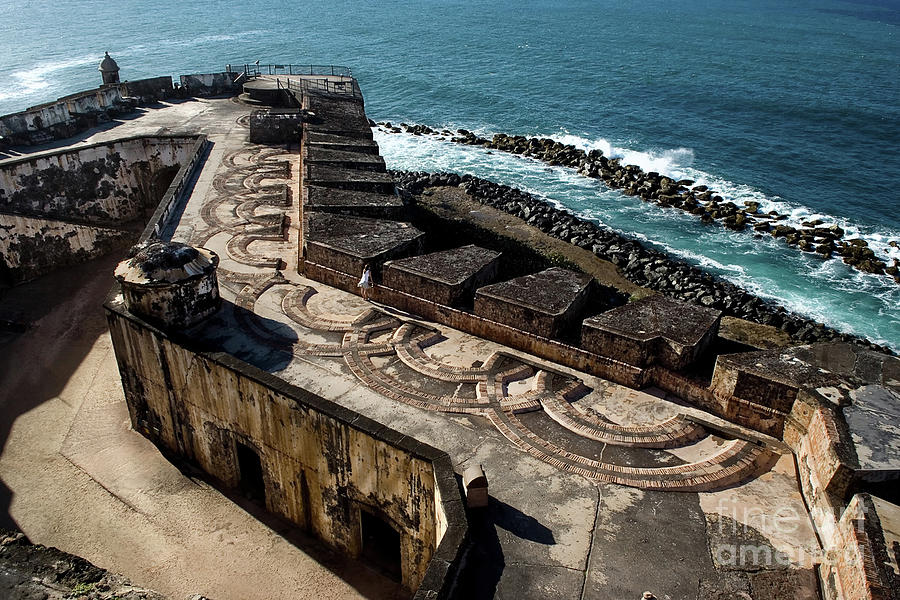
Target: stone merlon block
[
  {"x": 653, "y": 330},
  {"x": 348, "y": 179},
  {"x": 346, "y": 243},
  {"x": 448, "y": 277},
  {"x": 334, "y": 116},
  {"x": 544, "y": 303},
  {"x": 340, "y": 142},
  {"x": 351, "y": 202},
  {"x": 316, "y": 155},
  {"x": 275, "y": 125}
]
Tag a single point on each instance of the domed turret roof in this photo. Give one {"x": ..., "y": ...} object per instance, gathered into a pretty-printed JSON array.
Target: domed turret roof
[
  {"x": 108, "y": 65},
  {"x": 165, "y": 262}
]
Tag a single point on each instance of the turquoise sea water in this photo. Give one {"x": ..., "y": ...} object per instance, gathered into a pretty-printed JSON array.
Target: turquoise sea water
[{"x": 793, "y": 104}]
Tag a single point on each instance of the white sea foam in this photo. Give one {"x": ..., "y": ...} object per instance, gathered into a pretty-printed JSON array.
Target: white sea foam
[
  {"x": 678, "y": 164},
  {"x": 188, "y": 42},
  {"x": 27, "y": 82}
]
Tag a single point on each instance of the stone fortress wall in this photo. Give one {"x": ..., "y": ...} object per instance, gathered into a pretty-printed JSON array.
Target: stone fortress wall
[
  {"x": 64, "y": 207},
  {"x": 323, "y": 467}
]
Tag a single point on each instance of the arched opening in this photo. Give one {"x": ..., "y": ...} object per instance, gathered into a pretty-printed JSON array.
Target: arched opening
[
  {"x": 380, "y": 545},
  {"x": 252, "y": 484}
]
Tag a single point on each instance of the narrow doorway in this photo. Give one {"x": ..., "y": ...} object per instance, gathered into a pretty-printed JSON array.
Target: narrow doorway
[
  {"x": 380, "y": 545},
  {"x": 252, "y": 483}
]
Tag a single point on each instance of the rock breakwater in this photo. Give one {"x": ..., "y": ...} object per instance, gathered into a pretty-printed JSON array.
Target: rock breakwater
[
  {"x": 644, "y": 266},
  {"x": 825, "y": 240}
]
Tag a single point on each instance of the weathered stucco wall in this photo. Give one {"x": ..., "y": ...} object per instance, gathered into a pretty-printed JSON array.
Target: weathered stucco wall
[
  {"x": 861, "y": 568},
  {"x": 854, "y": 563},
  {"x": 106, "y": 184},
  {"x": 323, "y": 466},
  {"x": 30, "y": 247}
]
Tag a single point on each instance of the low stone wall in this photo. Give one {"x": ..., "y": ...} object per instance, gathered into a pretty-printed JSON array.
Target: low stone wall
[
  {"x": 746, "y": 413},
  {"x": 63, "y": 118},
  {"x": 152, "y": 89},
  {"x": 105, "y": 184},
  {"x": 690, "y": 390},
  {"x": 323, "y": 466},
  {"x": 210, "y": 84},
  {"x": 178, "y": 190}
]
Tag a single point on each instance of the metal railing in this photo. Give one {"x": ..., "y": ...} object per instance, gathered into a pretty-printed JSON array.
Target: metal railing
[
  {"x": 255, "y": 69},
  {"x": 345, "y": 86}
]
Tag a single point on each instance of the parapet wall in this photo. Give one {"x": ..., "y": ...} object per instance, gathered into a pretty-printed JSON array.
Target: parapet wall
[
  {"x": 80, "y": 111},
  {"x": 62, "y": 118},
  {"x": 323, "y": 466},
  {"x": 152, "y": 89},
  {"x": 464, "y": 320},
  {"x": 105, "y": 184},
  {"x": 210, "y": 84}
]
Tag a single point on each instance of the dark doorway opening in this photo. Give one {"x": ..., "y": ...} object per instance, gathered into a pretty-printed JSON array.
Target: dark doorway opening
[
  {"x": 252, "y": 483},
  {"x": 380, "y": 545}
]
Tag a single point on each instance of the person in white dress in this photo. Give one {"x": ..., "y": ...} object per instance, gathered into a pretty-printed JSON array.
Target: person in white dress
[{"x": 365, "y": 282}]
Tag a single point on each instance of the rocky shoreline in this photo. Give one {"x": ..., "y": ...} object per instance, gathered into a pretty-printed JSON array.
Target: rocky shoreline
[
  {"x": 644, "y": 266},
  {"x": 29, "y": 571},
  {"x": 824, "y": 240}
]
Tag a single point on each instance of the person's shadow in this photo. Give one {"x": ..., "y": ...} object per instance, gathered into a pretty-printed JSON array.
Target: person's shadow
[
  {"x": 484, "y": 563},
  {"x": 519, "y": 524}
]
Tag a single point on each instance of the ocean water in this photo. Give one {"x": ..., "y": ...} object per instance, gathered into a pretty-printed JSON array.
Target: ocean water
[{"x": 792, "y": 104}]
